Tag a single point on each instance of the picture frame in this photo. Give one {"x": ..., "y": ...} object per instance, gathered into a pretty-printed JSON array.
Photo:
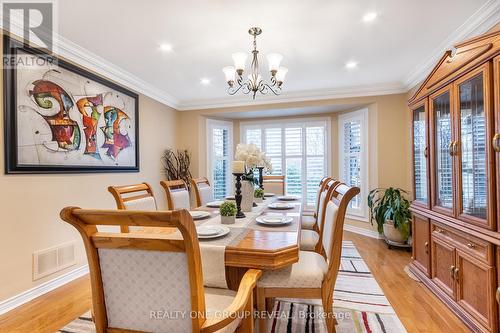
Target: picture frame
[{"x": 62, "y": 118}]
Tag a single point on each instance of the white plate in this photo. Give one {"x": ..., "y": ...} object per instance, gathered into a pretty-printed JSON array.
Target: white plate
[
  {"x": 280, "y": 205},
  {"x": 288, "y": 197},
  {"x": 231, "y": 197},
  {"x": 269, "y": 194},
  {"x": 198, "y": 215},
  {"x": 274, "y": 220},
  {"x": 215, "y": 204},
  {"x": 212, "y": 231}
]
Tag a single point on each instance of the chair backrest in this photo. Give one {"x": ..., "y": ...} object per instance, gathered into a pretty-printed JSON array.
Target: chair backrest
[
  {"x": 133, "y": 197},
  {"x": 333, "y": 230},
  {"x": 322, "y": 184},
  {"x": 274, "y": 184},
  {"x": 202, "y": 191},
  {"x": 177, "y": 194},
  {"x": 136, "y": 277},
  {"x": 323, "y": 199}
]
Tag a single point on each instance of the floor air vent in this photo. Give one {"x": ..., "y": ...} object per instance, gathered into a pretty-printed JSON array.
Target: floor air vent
[{"x": 54, "y": 259}]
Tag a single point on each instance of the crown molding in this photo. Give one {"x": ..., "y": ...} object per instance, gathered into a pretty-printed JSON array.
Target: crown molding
[
  {"x": 287, "y": 97},
  {"x": 73, "y": 52},
  {"x": 481, "y": 21}
]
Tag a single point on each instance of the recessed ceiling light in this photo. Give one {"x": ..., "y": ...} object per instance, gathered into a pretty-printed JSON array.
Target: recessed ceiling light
[
  {"x": 166, "y": 47},
  {"x": 351, "y": 64},
  {"x": 205, "y": 81},
  {"x": 369, "y": 17}
]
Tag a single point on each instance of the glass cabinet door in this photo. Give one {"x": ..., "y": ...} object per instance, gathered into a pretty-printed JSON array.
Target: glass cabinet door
[
  {"x": 473, "y": 147},
  {"x": 420, "y": 171},
  {"x": 442, "y": 152}
]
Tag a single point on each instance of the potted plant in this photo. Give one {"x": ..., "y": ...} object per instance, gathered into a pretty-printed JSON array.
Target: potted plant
[
  {"x": 391, "y": 211},
  {"x": 258, "y": 194},
  {"x": 228, "y": 212}
]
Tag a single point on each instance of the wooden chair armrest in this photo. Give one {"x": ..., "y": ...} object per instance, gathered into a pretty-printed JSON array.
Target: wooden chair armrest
[{"x": 245, "y": 291}]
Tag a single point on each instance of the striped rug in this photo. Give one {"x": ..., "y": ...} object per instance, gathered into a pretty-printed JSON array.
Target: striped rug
[{"x": 359, "y": 304}]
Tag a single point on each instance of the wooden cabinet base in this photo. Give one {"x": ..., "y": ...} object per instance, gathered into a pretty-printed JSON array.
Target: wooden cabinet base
[{"x": 450, "y": 303}]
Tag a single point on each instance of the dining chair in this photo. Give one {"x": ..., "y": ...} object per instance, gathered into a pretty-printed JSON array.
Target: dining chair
[
  {"x": 133, "y": 197},
  {"x": 274, "y": 184},
  {"x": 309, "y": 217},
  {"x": 177, "y": 194},
  {"x": 310, "y": 239},
  {"x": 154, "y": 282},
  {"x": 203, "y": 191},
  {"x": 314, "y": 275}
]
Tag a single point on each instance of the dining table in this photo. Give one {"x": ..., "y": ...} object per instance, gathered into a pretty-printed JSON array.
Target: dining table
[{"x": 249, "y": 244}]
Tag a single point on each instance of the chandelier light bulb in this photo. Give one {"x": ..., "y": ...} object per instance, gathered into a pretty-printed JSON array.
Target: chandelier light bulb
[
  {"x": 229, "y": 73},
  {"x": 240, "y": 59},
  {"x": 274, "y": 60},
  {"x": 280, "y": 75}
]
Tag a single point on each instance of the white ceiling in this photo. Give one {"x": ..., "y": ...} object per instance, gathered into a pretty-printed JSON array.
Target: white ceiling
[{"x": 317, "y": 38}]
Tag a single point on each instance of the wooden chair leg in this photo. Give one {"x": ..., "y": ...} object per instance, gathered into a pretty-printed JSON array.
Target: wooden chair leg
[
  {"x": 261, "y": 308},
  {"x": 270, "y": 304},
  {"x": 330, "y": 315}
]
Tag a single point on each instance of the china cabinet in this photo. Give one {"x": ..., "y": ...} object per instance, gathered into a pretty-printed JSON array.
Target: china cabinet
[{"x": 455, "y": 117}]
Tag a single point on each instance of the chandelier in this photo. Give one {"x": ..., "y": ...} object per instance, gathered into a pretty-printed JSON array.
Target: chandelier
[{"x": 254, "y": 82}]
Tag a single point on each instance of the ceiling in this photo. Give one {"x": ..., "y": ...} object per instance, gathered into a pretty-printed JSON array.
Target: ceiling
[{"x": 316, "y": 37}]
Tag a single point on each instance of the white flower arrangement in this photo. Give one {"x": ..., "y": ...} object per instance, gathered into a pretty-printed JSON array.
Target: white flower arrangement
[{"x": 253, "y": 157}]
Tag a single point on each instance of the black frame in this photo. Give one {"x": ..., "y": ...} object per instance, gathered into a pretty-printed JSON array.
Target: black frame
[{"x": 10, "y": 47}]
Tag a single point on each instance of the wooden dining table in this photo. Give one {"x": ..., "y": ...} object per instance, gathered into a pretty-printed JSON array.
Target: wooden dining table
[{"x": 261, "y": 247}]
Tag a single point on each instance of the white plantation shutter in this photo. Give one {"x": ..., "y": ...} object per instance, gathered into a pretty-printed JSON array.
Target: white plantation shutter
[
  {"x": 219, "y": 155},
  {"x": 297, "y": 148},
  {"x": 353, "y": 158}
]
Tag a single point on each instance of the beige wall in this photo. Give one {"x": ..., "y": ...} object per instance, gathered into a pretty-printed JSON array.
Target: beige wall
[
  {"x": 389, "y": 126},
  {"x": 30, "y": 204}
]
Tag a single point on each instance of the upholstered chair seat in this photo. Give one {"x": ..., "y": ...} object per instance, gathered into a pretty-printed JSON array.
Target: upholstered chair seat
[
  {"x": 216, "y": 301},
  {"x": 308, "y": 240},
  {"x": 308, "y": 272}
]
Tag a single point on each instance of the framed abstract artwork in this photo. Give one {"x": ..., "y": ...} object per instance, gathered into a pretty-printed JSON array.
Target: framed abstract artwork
[{"x": 61, "y": 118}]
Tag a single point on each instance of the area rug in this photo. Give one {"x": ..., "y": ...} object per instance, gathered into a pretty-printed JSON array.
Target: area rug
[{"x": 360, "y": 305}]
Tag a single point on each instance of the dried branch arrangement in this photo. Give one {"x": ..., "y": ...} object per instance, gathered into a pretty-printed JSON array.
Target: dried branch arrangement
[{"x": 176, "y": 165}]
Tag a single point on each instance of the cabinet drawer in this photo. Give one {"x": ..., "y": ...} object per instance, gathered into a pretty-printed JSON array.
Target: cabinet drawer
[{"x": 476, "y": 247}]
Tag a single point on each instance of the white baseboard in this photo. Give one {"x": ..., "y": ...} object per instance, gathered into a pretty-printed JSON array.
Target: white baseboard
[
  {"x": 28, "y": 295},
  {"x": 362, "y": 231}
]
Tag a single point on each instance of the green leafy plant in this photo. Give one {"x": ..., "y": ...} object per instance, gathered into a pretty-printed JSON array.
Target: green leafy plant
[
  {"x": 228, "y": 208},
  {"x": 258, "y": 193},
  {"x": 390, "y": 204}
]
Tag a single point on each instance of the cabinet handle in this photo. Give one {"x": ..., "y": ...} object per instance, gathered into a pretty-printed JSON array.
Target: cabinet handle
[
  {"x": 456, "y": 149},
  {"x": 455, "y": 273},
  {"x": 426, "y": 152},
  {"x": 450, "y": 148},
  {"x": 452, "y": 271},
  {"x": 496, "y": 142},
  {"x": 426, "y": 244},
  {"x": 471, "y": 245},
  {"x": 498, "y": 295}
]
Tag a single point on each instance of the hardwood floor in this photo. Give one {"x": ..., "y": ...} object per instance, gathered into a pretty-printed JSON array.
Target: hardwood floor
[{"x": 417, "y": 308}]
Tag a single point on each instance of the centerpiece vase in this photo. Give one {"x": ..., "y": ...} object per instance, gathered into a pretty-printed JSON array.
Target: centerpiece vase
[{"x": 247, "y": 191}]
